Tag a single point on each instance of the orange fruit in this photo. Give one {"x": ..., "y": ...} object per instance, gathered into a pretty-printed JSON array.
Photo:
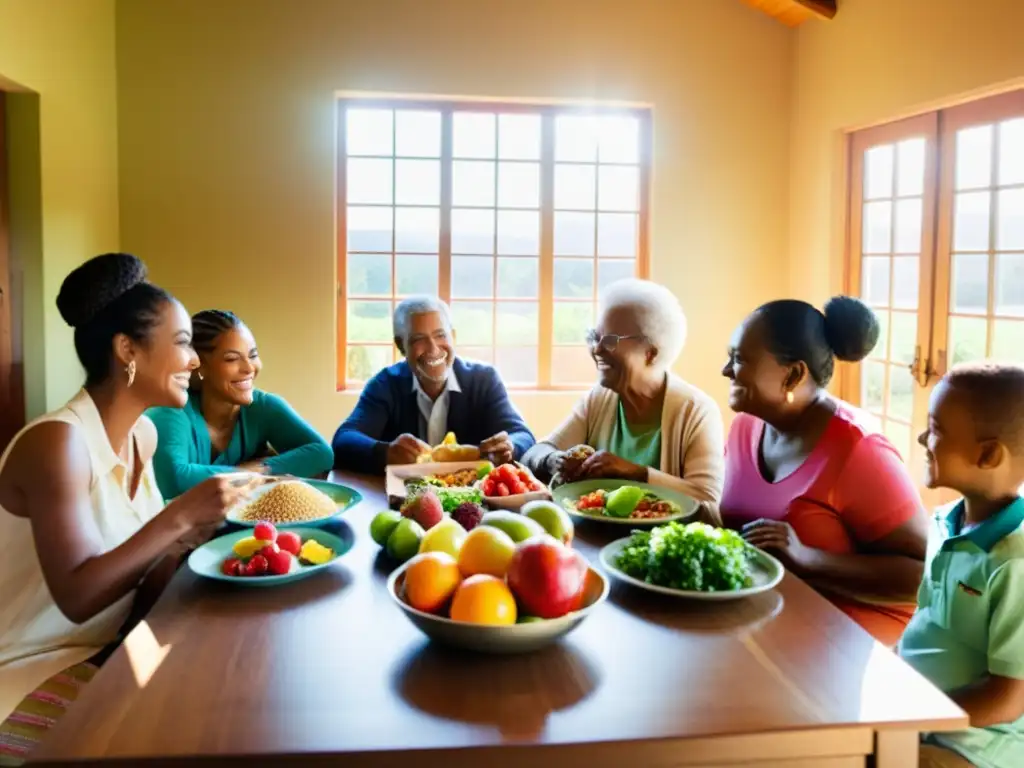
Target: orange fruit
[
  {"x": 430, "y": 579},
  {"x": 484, "y": 599},
  {"x": 486, "y": 550}
]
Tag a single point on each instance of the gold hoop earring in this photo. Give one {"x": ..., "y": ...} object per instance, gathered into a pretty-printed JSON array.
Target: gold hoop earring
[
  {"x": 131, "y": 372},
  {"x": 790, "y": 397}
]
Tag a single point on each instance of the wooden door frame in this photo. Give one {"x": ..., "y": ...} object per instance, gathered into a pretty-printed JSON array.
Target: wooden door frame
[{"x": 12, "y": 388}]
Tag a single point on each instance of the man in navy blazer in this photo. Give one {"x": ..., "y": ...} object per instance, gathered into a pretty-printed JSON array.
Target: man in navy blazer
[{"x": 410, "y": 406}]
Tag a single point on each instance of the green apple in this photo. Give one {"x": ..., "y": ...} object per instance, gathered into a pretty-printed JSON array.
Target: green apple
[
  {"x": 529, "y": 620},
  {"x": 447, "y": 536},
  {"x": 383, "y": 525},
  {"x": 404, "y": 541},
  {"x": 552, "y": 517},
  {"x": 518, "y": 527}
]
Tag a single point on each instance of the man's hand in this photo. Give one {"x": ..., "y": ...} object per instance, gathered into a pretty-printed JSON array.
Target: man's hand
[
  {"x": 405, "y": 449},
  {"x": 498, "y": 449}
]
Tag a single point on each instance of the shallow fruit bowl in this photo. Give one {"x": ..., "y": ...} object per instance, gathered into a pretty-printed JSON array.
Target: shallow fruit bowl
[
  {"x": 344, "y": 498},
  {"x": 207, "y": 559},
  {"x": 517, "y": 501},
  {"x": 513, "y": 638}
]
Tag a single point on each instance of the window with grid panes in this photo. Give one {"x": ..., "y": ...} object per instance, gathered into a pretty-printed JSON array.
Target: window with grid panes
[{"x": 517, "y": 216}]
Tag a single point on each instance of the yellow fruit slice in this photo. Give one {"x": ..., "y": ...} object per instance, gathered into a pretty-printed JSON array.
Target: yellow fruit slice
[
  {"x": 249, "y": 546},
  {"x": 315, "y": 553}
]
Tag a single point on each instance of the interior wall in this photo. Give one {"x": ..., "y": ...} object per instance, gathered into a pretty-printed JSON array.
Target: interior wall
[
  {"x": 227, "y": 152},
  {"x": 879, "y": 60},
  {"x": 63, "y": 170}
]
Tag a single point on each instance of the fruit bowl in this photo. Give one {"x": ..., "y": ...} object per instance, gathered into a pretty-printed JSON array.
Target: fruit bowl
[
  {"x": 512, "y": 638},
  {"x": 207, "y": 559},
  {"x": 513, "y": 501}
]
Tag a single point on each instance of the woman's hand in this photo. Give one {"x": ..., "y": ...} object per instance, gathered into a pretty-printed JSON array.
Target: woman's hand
[
  {"x": 780, "y": 538},
  {"x": 207, "y": 504},
  {"x": 608, "y": 465}
]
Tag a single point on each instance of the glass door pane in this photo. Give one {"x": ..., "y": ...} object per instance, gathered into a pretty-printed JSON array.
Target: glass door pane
[{"x": 893, "y": 250}]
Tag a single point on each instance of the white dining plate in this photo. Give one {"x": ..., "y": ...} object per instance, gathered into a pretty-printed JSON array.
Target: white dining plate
[{"x": 767, "y": 572}]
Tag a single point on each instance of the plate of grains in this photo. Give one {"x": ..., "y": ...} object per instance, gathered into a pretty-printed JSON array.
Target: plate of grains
[{"x": 290, "y": 503}]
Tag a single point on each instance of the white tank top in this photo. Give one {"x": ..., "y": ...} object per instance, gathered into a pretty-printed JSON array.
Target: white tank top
[{"x": 36, "y": 639}]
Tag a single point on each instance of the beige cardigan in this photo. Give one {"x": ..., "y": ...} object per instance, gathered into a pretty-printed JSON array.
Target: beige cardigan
[{"x": 692, "y": 437}]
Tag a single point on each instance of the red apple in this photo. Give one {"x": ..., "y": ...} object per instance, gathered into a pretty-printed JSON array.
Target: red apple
[{"x": 547, "y": 577}]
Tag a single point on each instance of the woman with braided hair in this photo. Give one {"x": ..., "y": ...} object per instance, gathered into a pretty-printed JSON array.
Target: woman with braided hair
[
  {"x": 84, "y": 526},
  {"x": 227, "y": 423}
]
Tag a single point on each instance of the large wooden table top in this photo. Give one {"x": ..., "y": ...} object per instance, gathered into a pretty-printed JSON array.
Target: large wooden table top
[{"x": 329, "y": 666}]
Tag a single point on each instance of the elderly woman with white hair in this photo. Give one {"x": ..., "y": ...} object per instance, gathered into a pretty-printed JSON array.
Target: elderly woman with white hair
[{"x": 643, "y": 422}]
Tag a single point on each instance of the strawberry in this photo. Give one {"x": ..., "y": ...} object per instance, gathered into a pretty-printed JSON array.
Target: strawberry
[
  {"x": 503, "y": 489},
  {"x": 488, "y": 487},
  {"x": 507, "y": 473},
  {"x": 279, "y": 562},
  {"x": 516, "y": 488},
  {"x": 257, "y": 566},
  {"x": 265, "y": 532},
  {"x": 270, "y": 549},
  {"x": 231, "y": 567},
  {"x": 288, "y": 541}
]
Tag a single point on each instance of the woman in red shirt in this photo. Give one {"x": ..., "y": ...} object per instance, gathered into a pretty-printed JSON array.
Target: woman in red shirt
[{"x": 806, "y": 478}]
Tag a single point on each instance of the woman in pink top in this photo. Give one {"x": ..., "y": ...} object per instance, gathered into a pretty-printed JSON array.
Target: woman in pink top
[{"x": 806, "y": 479}]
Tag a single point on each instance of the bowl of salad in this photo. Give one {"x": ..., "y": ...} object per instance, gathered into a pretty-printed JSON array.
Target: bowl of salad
[
  {"x": 692, "y": 560},
  {"x": 624, "y": 502}
]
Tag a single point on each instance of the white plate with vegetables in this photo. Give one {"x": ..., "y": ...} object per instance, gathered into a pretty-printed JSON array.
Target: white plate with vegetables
[
  {"x": 624, "y": 502},
  {"x": 694, "y": 560}
]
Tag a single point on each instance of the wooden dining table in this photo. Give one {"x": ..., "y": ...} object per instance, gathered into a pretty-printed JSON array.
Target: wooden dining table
[{"x": 328, "y": 671}]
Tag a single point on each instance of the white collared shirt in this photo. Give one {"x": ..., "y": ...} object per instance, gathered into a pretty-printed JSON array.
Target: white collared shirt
[{"x": 434, "y": 413}]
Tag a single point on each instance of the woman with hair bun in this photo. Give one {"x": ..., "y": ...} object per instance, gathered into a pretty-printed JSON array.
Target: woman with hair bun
[
  {"x": 84, "y": 526},
  {"x": 227, "y": 423},
  {"x": 806, "y": 479}
]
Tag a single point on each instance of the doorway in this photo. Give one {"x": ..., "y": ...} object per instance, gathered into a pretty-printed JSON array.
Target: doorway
[{"x": 12, "y": 393}]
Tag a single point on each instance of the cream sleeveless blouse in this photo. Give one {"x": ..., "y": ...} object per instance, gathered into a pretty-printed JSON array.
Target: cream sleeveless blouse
[{"x": 36, "y": 640}]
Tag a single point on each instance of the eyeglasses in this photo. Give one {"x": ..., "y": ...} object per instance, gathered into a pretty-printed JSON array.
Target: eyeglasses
[{"x": 609, "y": 341}]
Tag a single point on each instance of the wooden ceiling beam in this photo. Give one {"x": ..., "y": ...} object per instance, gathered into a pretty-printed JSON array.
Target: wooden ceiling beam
[{"x": 824, "y": 8}]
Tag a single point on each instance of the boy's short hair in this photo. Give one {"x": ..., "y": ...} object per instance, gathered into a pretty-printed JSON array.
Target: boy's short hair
[{"x": 995, "y": 393}]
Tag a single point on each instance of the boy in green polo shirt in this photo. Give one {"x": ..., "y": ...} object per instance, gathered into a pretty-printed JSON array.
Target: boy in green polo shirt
[{"x": 967, "y": 635}]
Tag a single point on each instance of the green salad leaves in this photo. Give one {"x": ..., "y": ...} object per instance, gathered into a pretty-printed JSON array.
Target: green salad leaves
[{"x": 693, "y": 556}]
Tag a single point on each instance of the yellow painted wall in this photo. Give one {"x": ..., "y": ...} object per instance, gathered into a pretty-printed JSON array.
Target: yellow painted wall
[
  {"x": 227, "y": 147},
  {"x": 64, "y": 51},
  {"x": 879, "y": 60}
]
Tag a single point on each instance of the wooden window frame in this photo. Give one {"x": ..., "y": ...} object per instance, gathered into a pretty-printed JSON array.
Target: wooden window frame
[{"x": 545, "y": 298}]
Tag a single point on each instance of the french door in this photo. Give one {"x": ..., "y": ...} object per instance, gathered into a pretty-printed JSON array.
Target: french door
[{"x": 936, "y": 247}]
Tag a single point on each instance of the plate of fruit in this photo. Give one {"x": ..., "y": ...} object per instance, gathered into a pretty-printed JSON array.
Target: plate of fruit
[
  {"x": 625, "y": 502},
  {"x": 494, "y": 595},
  {"x": 510, "y": 486},
  {"x": 693, "y": 560},
  {"x": 264, "y": 556}
]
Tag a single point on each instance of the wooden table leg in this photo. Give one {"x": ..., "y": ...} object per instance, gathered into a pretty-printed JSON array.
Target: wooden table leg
[{"x": 896, "y": 749}]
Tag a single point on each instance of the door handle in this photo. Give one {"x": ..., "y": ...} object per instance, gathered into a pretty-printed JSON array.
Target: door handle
[{"x": 921, "y": 370}]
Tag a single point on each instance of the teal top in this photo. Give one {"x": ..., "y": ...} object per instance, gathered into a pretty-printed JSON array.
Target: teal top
[
  {"x": 184, "y": 456},
  {"x": 642, "y": 448},
  {"x": 969, "y": 621}
]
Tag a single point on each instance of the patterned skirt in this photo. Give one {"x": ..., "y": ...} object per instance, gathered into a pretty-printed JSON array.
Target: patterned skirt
[{"x": 32, "y": 719}]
